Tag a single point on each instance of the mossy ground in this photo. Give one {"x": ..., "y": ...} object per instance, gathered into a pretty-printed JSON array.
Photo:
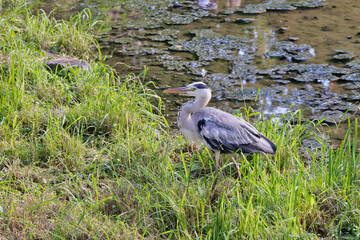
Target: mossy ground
[{"x": 85, "y": 154}]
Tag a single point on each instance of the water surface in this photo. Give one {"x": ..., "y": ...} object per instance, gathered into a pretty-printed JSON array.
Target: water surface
[{"x": 274, "y": 56}]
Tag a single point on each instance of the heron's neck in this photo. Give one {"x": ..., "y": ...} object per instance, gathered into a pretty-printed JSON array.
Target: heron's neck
[{"x": 192, "y": 106}]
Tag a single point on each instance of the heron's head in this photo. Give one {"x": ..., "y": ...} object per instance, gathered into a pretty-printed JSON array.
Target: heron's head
[{"x": 196, "y": 89}]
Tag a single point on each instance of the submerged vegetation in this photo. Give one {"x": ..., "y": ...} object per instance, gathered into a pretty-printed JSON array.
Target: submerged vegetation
[{"x": 85, "y": 154}]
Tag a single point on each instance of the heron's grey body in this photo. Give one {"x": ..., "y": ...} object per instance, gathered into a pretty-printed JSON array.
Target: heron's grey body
[{"x": 220, "y": 131}]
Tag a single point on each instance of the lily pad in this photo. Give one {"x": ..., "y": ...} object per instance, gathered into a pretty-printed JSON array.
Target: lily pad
[
  {"x": 135, "y": 50},
  {"x": 177, "y": 64},
  {"x": 124, "y": 40},
  {"x": 290, "y": 51},
  {"x": 351, "y": 85},
  {"x": 354, "y": 64},
  {"x": 352, "y": 95},
  {"x": 242, "y": 94},
  {"x": 352, "y": 77},
  {"x": 250, "y": 93},
  {"x": 245, "y": 72},
  {"x": 253, "y": 9},
  {"x": 164, "y": 35},
  {"x": 310, "y": 4},
  {"x": 244, "y": 20},
  {"x": 276, "y": 6},
  {"x": 344, "y": 55},
  {"x": 332, "y": 117},
  {"x": 208, "y": 45},
  {"x": 310, "y": 77},
  {"x": 178, "y": 19},
  {"x": 221, "y": 81}
]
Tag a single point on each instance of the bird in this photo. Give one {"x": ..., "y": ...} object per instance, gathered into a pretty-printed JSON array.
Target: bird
[{"x": 220, "y": 131}]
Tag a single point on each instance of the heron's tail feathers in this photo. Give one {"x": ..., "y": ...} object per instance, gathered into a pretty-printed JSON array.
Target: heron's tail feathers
[{"x": 262, "y": 146}]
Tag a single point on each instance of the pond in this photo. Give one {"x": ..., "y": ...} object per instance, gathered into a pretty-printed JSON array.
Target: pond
[{"x": 275, "y": 56}]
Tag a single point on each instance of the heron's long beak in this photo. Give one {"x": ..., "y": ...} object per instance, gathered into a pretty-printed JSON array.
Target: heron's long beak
[{"x": 177, "y": 90}]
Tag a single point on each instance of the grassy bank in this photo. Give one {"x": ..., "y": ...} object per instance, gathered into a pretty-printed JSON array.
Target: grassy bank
[{"x": 85, "y": 155}]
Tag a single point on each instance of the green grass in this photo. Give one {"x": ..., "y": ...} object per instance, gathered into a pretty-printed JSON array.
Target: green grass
[{"x": 87, "y": 155}]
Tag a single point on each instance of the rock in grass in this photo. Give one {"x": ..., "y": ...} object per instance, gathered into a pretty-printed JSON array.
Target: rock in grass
[{"x": 64, "y": 62}]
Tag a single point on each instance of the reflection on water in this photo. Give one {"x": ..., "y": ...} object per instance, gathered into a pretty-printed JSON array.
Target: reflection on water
[
  {"x": 276, "y": 110},
  {"x": 207, "y": 4},
  {"x": 260, "y": 60},
  {"x": 213, "y": 4},
  {"x": 233, "y": 4}
]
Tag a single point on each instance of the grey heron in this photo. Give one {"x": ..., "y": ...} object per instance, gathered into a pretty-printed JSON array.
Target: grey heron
[{"x": 220, "y": 131}]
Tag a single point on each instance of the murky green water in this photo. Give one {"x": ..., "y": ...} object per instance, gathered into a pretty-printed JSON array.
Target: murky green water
[{"x": 272, "y": 56}]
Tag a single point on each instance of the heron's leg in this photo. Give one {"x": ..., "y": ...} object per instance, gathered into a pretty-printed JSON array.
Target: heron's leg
[
  {"x": 217, "y": 156},
  {"x": 237, "y": 167}
]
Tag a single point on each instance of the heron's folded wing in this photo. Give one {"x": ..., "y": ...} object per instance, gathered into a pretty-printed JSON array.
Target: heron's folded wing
[{"x": 227, "y": 133}]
